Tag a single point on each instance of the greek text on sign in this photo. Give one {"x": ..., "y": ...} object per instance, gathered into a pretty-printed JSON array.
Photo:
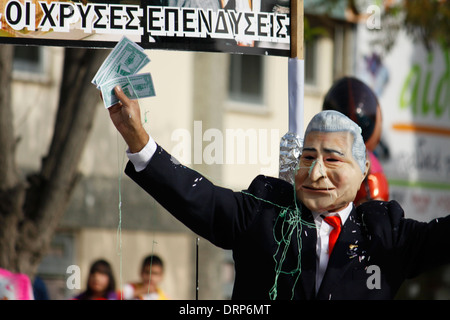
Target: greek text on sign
[
  {"x": 223, "y": 24},
  {"x": 162, "y": 21},
  {"x": 60, "y": 16}
]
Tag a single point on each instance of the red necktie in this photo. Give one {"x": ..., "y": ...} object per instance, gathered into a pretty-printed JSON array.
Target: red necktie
[{"x": 335, "y": 222}]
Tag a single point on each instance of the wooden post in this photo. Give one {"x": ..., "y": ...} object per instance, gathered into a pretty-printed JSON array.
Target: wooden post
[
  {"x": 297, "y": 38},
  {"x": 296, "y": 69}
]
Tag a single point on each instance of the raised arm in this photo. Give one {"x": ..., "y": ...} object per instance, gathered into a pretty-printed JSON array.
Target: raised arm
[
  {"x": 126, "y": 117},
  {"x": 217, "y": 214}
]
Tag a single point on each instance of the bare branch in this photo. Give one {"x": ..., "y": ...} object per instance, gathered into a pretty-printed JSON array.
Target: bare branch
[{"x": 8, "y": 169}]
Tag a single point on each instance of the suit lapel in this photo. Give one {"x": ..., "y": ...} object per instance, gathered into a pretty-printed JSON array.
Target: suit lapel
[
  {"x": 344, "y": 255},
  {"x": 309, "y": 240}
]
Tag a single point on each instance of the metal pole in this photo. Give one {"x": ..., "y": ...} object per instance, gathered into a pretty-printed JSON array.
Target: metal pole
[{"x": 296, "y": 69}]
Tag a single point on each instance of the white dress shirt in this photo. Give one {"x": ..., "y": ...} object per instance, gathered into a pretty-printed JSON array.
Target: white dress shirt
[
  {"x": 323, "y": 234},
  {"x": 141, "y": 159}
]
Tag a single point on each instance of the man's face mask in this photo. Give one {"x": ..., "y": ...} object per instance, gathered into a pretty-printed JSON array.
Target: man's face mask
[{"x": 328, "y": 177}]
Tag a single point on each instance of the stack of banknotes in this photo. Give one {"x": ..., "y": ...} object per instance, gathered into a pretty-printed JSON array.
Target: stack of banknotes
[{"x": 121, "y": 68}]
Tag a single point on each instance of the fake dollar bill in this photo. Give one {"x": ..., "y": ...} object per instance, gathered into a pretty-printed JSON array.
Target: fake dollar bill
[
  {"x": 121, "y": 68},
  {"x": 126, "y": 59},
  {"x": 134, "y": 86}
]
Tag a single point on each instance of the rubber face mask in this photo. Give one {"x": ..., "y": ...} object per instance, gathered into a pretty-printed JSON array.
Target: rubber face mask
[{"x": 328, "y": 177}]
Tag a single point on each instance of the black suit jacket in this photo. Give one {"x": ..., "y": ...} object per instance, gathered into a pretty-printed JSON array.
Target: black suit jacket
[{"x": 376, "y": 251}]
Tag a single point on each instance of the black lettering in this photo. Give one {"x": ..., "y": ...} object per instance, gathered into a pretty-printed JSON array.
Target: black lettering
[
  {"x": 280, "y": 26},
  {"x": 235, "y": 20},
  {"x": 247, "y": 16},
  {"x": 206, "y": 21},
  {"x": 221, "y": 20},
  {"x": 47, "y": 14},
  {"x": 131, "y": 17},
  {"x": 186, "y": 20},
  {"x": 27, "y": 15},
  {"x": 113, "y": 17},
  {"x": 9, "y": 17},
  {"x": 167, "y": 20},
  {"x": 83, "y": 14},
  {"x": 271, "y": 25},
  {"x": 151, "y": 18},
  {"x": 97, "y": 11},
  {"x": 62, "y": 13},
  {"x": 261, "y": 24}
]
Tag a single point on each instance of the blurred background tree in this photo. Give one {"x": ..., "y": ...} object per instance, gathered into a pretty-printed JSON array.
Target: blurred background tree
[
  {"x": 425, "y": 21},
  {"x": 31, "y": 205}
]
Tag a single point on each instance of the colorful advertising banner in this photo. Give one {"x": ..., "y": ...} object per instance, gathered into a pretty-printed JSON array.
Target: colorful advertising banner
[
  {"x": 413, "y": 86},
  {"x": 236, "y": 26}
]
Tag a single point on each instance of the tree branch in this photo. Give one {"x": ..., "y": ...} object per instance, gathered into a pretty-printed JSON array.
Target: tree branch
[
  {"x": 8, "y": 170},
  {"x": 50, "y": 190}
]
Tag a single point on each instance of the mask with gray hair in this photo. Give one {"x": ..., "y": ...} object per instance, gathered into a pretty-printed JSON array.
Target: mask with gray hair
[{"x": 334, "y": 121}]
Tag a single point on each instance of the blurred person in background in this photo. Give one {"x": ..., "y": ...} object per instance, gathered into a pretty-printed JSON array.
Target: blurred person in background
[{"x": 101, "y": 284}]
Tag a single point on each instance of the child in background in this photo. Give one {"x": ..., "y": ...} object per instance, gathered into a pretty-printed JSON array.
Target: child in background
[
  {"x": 101, "y": 284},
  {"x": 152, "y": 272}
]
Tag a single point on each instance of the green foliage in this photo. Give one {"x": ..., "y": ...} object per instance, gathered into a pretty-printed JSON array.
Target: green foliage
[
  {"x": 425, "y": 21},
  {"x": 312, "y": 32}
]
